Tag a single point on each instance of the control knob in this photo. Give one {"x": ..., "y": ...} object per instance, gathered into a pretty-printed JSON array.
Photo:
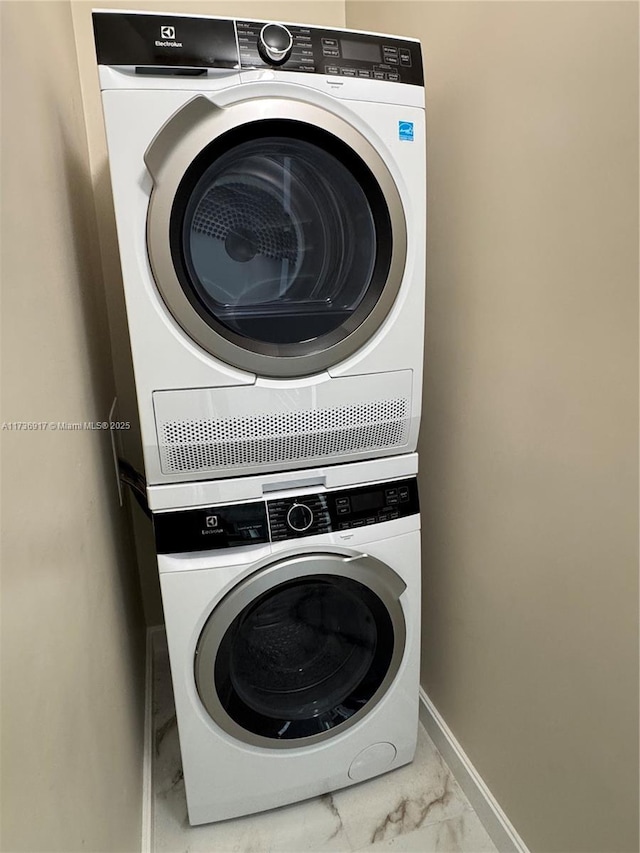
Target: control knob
[
  {"x": 299, "y": 517},
  {"x": 275, "y": 43}
]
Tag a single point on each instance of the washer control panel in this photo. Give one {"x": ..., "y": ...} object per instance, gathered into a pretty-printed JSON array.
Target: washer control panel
[
  {"x": 290, "y": 518},
  {"x": 342, "y": 509},
  {"x": 384, "y": 502},
  {"x": 277, "y": 520},
  {"x": 299, "y": 517}
]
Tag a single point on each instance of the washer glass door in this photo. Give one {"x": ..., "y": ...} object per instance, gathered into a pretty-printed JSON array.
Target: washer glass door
[{"x": 299, "y": 659}]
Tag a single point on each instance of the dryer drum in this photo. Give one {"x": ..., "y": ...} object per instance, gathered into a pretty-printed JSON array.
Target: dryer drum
[
  {"x": 278, "y": 241},
  {"x": 229, "y": 211}
]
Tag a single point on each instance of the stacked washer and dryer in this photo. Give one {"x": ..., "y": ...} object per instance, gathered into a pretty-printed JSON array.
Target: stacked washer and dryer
[{"x": 269, "y": 188}]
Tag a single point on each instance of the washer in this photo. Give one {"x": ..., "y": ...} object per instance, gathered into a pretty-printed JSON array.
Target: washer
[
  {"x": 293, "y": 626},
  {"x": 269, "y": 190}
]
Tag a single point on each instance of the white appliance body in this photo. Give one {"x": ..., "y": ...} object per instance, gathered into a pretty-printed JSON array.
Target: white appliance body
[
  {"x": 355, "y": 570},
  {"x": 213, "y": 403}
]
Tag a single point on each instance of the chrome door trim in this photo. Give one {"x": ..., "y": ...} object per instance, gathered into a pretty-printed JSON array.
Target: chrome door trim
[
  {"x": 368, "y": 571},
  {"x": 168, "y": 157}
]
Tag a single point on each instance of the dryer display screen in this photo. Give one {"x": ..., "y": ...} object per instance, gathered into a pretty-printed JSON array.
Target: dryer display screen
[{"x": 361, "y": 50}]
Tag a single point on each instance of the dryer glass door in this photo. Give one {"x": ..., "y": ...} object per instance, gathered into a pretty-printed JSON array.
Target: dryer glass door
[
  {"x": 287, "y": 239},
  {"x": 301, "y": 659},
  {"x": 279, "y": 242}
]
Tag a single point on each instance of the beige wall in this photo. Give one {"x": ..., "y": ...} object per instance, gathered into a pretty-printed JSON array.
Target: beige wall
[
  {"x": 72, "y": 632},
  {"x": 529, "y": 466},
  {"x": 329, "y": 12}
]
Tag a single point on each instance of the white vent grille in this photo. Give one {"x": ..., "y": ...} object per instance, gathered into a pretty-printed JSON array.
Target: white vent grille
[{"x": 205, "y": 444}]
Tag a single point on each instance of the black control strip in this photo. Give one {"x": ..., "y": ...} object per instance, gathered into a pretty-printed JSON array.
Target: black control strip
[
  {"x": 213, "y": 528},
  {"x": 167, "y": 42}
]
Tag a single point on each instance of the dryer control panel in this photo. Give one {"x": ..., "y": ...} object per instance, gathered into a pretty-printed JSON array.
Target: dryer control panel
[
  {"x": 188, "y": 46},
  {"x": 336, "y": 53},
  {"x": 280, "y": 519}
]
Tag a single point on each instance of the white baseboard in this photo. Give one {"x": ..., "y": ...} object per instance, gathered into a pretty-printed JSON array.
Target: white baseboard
[
  {"x": 494, "y": 820},
  {"x": 146, "y": 841}
]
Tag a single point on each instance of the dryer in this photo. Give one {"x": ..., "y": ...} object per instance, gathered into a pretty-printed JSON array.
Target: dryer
[
  {"x": 269, "y": 190},
  {"x": 293, "y": 628}
]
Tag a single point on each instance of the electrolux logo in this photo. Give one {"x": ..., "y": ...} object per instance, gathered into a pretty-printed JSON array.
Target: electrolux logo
[{"x": 169, "y": 34}]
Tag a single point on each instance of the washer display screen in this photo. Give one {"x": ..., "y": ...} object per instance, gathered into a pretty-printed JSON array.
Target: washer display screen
[{"x": 366, "y": 501}]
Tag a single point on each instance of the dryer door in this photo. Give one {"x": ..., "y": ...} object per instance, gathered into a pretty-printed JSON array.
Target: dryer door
[
  {"x": 276, "y": 233},
  {"x": 302, "y": 649}
]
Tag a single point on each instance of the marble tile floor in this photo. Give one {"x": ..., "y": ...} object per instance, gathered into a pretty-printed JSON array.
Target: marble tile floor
[{"x": 419, "y": 807}]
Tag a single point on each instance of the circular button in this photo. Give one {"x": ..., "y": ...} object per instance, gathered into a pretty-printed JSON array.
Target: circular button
[
  {"x": 299, "y": 517},
  {"x": 275, "y": 43}
]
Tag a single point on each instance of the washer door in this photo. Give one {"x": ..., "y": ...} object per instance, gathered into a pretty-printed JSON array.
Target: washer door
[
  {"x": 301, "y": 650},
  {"x": 276, "y": 233}
]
